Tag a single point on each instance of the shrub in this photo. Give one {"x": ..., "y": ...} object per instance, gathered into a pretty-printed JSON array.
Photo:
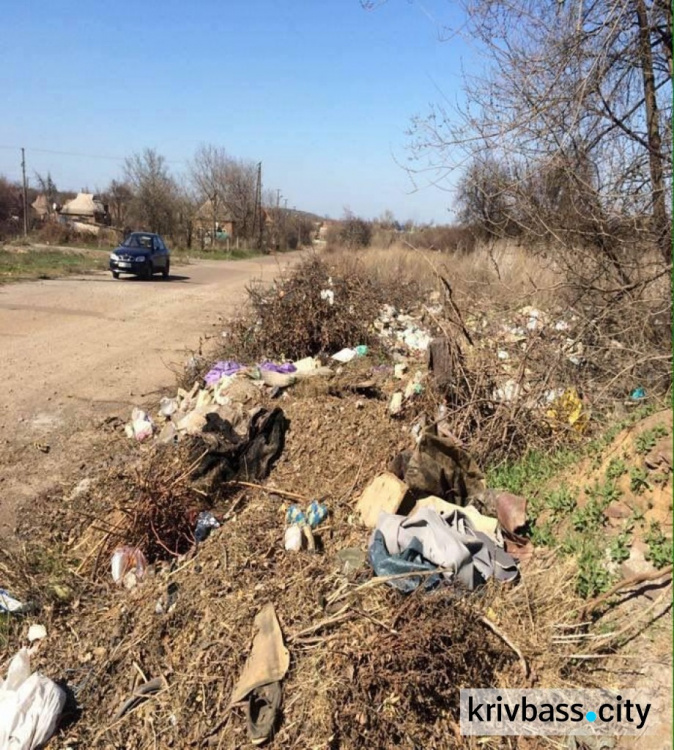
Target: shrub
[
  {"x": 351, "y": 232},
  {"x": 315, "y": 310}
]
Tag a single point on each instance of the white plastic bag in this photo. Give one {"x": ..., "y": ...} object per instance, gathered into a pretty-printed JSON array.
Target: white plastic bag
[
  {"x": 125, "y": 560},
  {"x": 141, "y": 425},
  {"x": 345, "y": 355},
  {"x": 293, "y": 538},
  {"x": 30, "y": 706}
]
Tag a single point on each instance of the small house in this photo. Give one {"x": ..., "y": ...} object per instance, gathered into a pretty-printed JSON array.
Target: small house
[
  {"x": 214, "y": 218},
  {"x": 86, "y": 208}
]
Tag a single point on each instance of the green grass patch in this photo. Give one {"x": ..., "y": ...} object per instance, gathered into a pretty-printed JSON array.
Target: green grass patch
[
  {"x": 47, "y": 264},
  {"x": 616, "y": 468},
  {"x": 645, "y": 442},
  {"x": 593, "y": 577},
  {"x": 557, "y": 522},
  {"x": 659, "y": 546},
  {"x": 560, "y": 501},
  {"x": 619, "y": 548},
  {"x": 639, "y": 480},
  {"x": 527, "y": 475}
]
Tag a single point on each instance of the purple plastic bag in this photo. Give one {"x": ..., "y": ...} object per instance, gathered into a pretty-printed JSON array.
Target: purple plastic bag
[
  {"x": 220, "y": 369},
  {"x": 286, "y": 367}
]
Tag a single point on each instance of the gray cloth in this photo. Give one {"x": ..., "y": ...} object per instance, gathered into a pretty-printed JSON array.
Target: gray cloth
[{"x": 470, "y": 557}]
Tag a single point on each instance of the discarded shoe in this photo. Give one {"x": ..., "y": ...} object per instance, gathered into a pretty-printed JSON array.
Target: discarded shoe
[{"x": 262, "y": 711}]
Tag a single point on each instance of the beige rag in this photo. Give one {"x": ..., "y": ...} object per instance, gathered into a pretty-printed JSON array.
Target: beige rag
[
  {"x": 269, "y": 658},
  {"x": 485, "y": 524}
]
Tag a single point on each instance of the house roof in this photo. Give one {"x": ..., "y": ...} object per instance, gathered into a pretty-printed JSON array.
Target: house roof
[
  {"x": 40, "y": 205},
  {"x": 85, "y": 204},
  {"x": 205, "y": 213}
]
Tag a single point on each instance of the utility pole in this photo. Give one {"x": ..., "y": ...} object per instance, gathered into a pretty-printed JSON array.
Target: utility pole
[
  {"x": 258, "y": 204},
  {"x": 25, "y": 193},
  {"x": 277, "y": 221}
]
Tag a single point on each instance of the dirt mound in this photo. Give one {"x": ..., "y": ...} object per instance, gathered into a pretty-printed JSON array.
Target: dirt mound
[{"x": 639, "y": 461}]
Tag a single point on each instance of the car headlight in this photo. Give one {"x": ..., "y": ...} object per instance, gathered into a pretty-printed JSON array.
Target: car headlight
[
  {"x": 114, "y": 256},
  {"x": 140, "y": 258}
]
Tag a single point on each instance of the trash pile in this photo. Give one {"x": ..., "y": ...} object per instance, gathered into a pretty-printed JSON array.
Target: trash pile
[
  {"x": 401, "y": 331},
  {"x": 297, "y": 555},
  {"x": 531, "y": 347},
  {"x": 315, "y": 564},
  {"x": 426, "y": 518},
  {"x": 228, "y": 386}
]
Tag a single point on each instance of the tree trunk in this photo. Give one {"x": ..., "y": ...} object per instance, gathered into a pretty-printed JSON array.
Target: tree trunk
[{"x": 660, "y": 219}]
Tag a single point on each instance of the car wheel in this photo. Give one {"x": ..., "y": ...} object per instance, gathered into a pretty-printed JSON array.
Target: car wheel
[
  {"x": 165, "y": 272},
  {"x": 149, "y": 271},
  {"x": 115, "y": 274}
]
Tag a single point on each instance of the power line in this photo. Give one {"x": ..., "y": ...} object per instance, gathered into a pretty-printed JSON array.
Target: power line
[{"x": 71, "y": 153}]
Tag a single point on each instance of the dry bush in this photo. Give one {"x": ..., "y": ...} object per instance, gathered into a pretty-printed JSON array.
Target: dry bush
[
  {"x": 445, "y": 239},
  {"x": 55, "y": 233},
  {"x": 405, "y": 683},
  {"x": 351, "y": 232},
  {"x": 290, "y": 319},
  {"x": 381, "y": 238},
  {"x": 155, "y": 509}
]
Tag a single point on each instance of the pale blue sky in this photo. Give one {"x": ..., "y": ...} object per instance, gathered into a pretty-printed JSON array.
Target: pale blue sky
[{"x": 320, "y": 91}]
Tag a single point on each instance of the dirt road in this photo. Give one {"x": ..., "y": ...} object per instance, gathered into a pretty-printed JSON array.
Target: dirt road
[{"x": 77, "y": 350}]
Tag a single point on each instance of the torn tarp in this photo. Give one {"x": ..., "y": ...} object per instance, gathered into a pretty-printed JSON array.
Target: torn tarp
[
  {"x": 425, "y": 540},
  {"x": 440, "y": 466}
]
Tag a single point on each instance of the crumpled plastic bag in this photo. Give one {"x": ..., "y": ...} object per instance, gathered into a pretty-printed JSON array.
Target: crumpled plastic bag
[
  {"x": 568, "y": 409},
  {"x": 127, "y": 560},
  {"x": 141, "y": 425},
  {"x": 30, "y": 706}
]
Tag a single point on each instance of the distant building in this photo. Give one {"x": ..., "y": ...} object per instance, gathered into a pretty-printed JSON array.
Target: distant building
[
  {"x": 41, "y": 208},
  {"x": 85, "y": 208},
  {"x": 216, "y": 218}
]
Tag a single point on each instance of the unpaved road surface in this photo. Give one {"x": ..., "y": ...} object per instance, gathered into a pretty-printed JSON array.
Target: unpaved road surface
[{"x": 78, "y": 350}]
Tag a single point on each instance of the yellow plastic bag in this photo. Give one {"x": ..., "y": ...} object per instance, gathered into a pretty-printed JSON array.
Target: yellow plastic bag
[{"x": 567, "y": 409}]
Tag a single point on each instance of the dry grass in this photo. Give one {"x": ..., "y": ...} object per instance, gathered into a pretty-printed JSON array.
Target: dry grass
[{"x": 503, "y": 274}]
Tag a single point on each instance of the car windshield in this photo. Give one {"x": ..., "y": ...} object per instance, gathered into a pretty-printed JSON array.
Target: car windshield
[{"x": 138, "y": 240}]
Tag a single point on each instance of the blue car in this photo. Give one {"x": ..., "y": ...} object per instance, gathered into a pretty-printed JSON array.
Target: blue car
[{"x": 141, "y": 254}]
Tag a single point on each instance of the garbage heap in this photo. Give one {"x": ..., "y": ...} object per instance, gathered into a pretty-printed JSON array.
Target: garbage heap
[{"x": 300, "y": 556}]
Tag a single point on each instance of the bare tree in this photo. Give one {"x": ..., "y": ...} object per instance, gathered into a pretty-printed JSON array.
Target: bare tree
[
  {"x": 229, "y": 186},
  {"x": 154, "y": 190},
  {"x": 565, "y": 140},
  {"x": 483, "y": 198},
  {"x": 48, "y": 188},
  {"x": 575, "y": 109},
  {"x": 11, "y": 207},
  {"x": 119, "y": 197}
]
